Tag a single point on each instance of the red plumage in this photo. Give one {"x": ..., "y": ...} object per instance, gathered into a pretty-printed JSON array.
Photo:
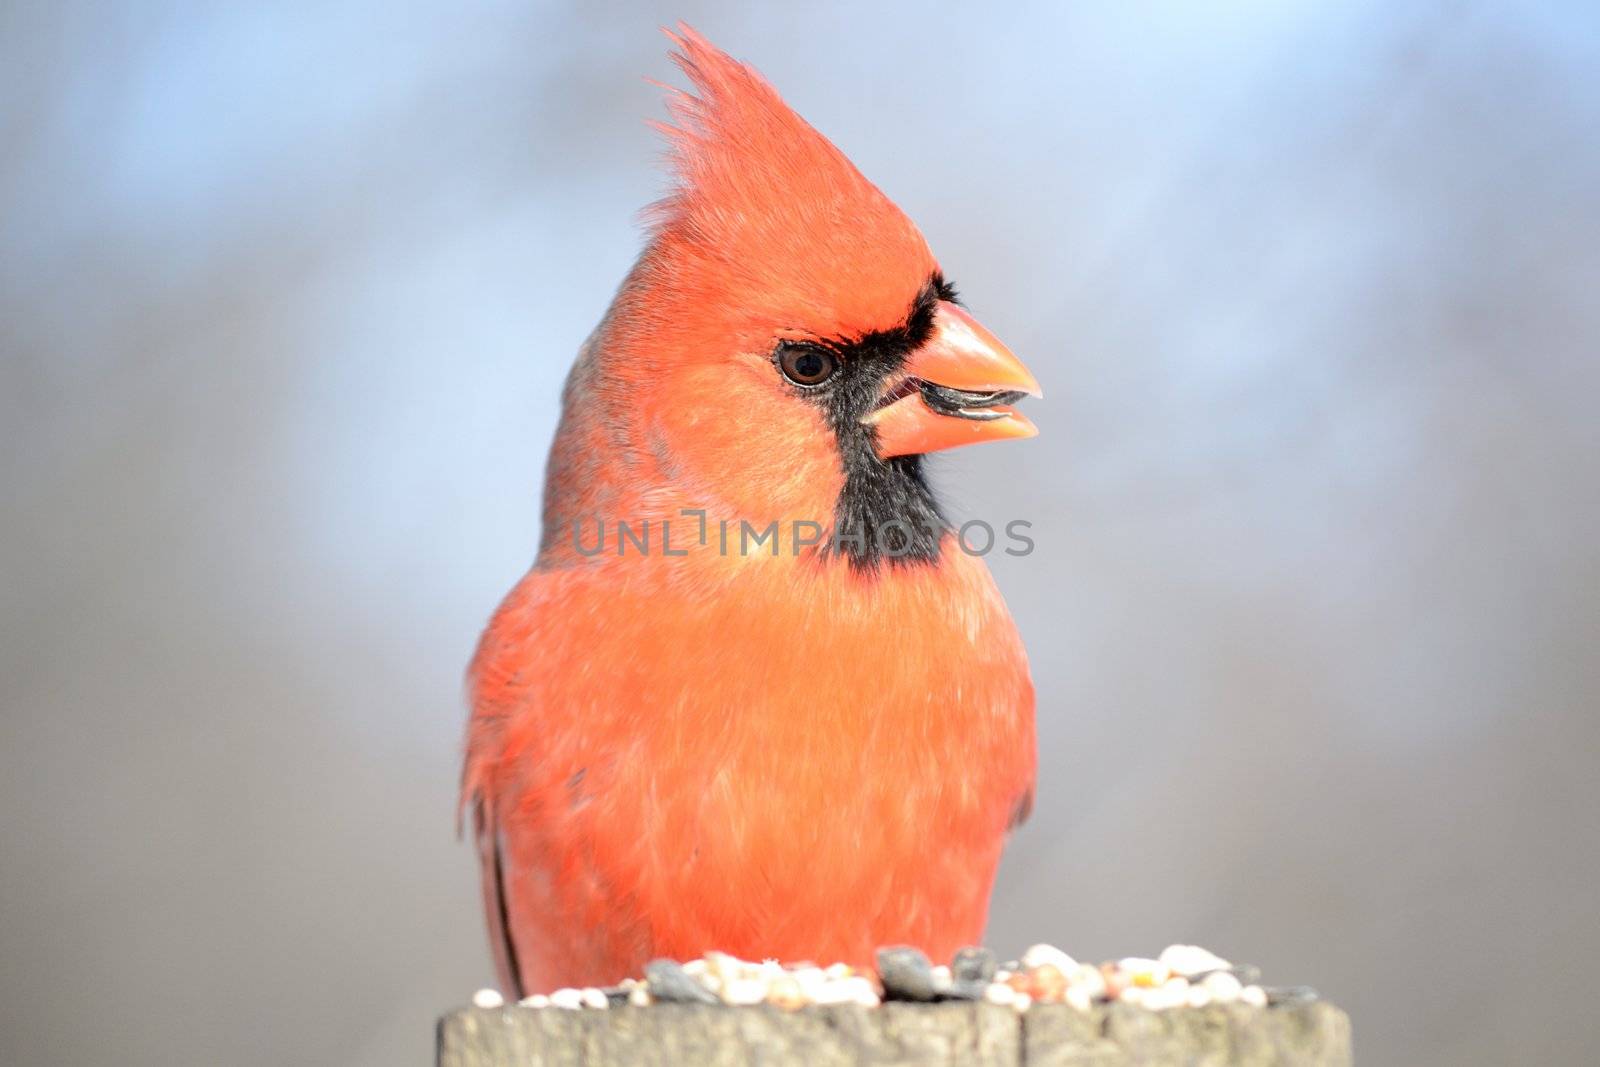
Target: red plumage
[{"x": 802, "y": 755}]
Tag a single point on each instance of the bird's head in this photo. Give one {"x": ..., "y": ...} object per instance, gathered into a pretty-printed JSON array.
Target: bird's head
[{"x": 787, "y": 342}]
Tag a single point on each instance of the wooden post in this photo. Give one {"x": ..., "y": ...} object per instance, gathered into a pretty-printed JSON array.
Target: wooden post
[{"x": 1312, "y": 1034}]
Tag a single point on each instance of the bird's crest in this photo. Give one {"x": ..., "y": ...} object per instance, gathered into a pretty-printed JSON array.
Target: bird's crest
[{"x": 773, "y": 204}]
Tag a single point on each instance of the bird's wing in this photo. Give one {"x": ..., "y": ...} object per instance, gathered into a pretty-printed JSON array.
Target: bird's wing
[
  {"x": 1023, "y": 808},
  {"x": 486, "y": 836},
  {"x": 498, "y": 696}
]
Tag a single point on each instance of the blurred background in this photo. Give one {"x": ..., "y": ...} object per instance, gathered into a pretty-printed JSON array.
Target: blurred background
[{"x": 285, "y": 299}]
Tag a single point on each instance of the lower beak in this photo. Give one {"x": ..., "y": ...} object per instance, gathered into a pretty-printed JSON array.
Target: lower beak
[{"x": 957, "y": 389}]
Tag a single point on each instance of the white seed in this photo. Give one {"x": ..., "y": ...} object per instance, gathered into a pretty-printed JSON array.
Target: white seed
[
  {"x": 1190, "y": 960},
  {"x": 639, "y": 997},
  {"x": 810, "y": 979},
  {"x": 1039, "y": 955},
  {"x": 722, "y": 968},
  {"x": 536, "y": 1000},
  {"x": 853, "y": 990},
  {"x": 488, "y": 999},
  {"x": 1088, "y": 977},
  {"x": 1022, "y": 1002},
  {"x": 1223, "y": 985},
  {"x": 942, "y": 978},
  {"x": 570, "y": 999},
  {"x": 696, "y": 968},
  {"x": 826, "y": 993},
  {"x": 1173, "y": 994},
  {"x": 999, "y": 993},
  {"x": 862, "y": 990},
  {"x": 595, "y": 998},
  {"x": 1199, "y": 996},
  {"x": 740, "y": 990},
  {"x": 1254, "y": 996},
  {"x": 1080, "y": 997}
]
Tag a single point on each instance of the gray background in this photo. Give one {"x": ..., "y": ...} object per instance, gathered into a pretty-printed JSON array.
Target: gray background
[{"x": 284, "y": 301}]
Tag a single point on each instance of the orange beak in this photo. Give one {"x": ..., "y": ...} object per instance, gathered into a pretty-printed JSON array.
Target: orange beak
[{"x": 955, "y": 390}]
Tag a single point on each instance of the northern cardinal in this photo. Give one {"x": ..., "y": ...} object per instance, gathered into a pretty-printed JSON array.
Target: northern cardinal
[{"x": 802, "y": 749}]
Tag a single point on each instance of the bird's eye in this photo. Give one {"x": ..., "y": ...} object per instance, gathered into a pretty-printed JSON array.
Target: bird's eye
[{"x": 806, "y": 364}]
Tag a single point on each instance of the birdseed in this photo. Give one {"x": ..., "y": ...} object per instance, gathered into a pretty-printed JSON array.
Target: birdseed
[{"x": 1180, "y": 976}]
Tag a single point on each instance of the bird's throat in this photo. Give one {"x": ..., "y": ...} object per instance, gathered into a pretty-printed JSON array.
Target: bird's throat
[{"x": 886, "y": 514}]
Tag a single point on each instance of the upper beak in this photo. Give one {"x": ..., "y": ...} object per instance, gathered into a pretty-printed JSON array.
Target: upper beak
[{"x": 957, "y": 390}]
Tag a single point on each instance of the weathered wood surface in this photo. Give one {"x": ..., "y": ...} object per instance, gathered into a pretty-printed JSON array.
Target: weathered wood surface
[{"x": 897, "y": 1035}]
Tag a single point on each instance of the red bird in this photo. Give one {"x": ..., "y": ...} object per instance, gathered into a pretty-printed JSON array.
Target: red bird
[{"x": 691, "y": 730}]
